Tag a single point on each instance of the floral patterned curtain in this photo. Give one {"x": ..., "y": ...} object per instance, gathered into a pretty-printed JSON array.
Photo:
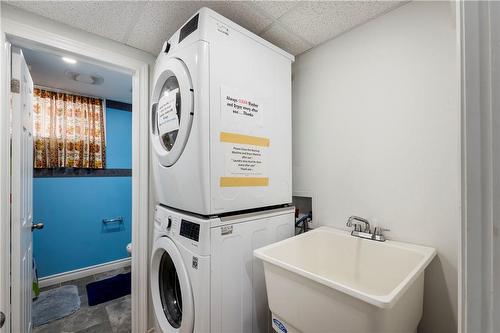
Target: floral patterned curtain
[{"x": 68, "y": 131}]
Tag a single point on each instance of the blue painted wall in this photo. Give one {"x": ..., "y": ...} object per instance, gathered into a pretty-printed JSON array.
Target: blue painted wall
[
  {"x": 72, "y": 209},
  {"x": 118, "y": 139}
]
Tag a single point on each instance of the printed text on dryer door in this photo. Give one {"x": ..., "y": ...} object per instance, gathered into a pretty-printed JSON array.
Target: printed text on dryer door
[{"x": 168, "y": 120}]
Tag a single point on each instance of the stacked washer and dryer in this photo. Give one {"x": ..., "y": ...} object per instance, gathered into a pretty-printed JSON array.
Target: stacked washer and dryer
[{"x": 221, "y": 138}]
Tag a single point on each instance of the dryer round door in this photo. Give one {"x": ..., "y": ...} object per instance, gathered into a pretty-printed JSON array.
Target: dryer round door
[
  {"x": 170, "y": 288},
  {"x": 171, "y": 111}
]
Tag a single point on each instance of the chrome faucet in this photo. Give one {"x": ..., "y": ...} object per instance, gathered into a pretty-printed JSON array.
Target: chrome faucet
[
  {"x": 357, "y": 221},
  {"x": 362, "y": 229}
]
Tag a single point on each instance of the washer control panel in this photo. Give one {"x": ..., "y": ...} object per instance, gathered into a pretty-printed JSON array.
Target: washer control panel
[
  {"x": 190, "y": 230},
  {"x": 170, "y": 224}
]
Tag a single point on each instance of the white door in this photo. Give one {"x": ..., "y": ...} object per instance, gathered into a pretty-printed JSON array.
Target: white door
[
  {"x": 5, "y": 190},
  {"x": 21, "y": 192}
]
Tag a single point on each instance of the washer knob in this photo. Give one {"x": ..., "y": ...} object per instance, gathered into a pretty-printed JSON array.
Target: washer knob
[{"x": 169, "y": 222}]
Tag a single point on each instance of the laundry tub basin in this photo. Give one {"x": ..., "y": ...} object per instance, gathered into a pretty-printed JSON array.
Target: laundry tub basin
[{"x": 329, "y": 281}]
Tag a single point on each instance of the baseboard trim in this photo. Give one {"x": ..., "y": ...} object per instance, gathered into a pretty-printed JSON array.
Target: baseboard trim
[{"x": 83, "y": 272}]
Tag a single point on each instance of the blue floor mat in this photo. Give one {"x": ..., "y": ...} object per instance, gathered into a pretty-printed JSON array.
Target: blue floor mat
[
  {"x": 108, "y": 289},
  {"x": 55, "y": 304}
]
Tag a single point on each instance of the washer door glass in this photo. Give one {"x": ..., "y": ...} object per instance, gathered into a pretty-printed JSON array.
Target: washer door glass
[
  {"x": 170, "y": 92},
  {"x": 170, "y": 291}
]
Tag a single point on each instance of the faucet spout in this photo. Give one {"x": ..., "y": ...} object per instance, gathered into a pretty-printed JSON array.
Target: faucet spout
[{"x": 358, "y": 222}]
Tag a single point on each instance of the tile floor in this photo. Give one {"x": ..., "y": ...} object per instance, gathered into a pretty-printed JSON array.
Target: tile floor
[{"x": 110, "y": 317}]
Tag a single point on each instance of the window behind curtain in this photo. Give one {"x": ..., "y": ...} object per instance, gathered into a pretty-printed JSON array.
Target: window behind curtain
[{"x": 68, "y": 131}]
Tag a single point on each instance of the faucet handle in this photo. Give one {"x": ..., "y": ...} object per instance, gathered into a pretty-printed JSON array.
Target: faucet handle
[{"x": 379, "y": 231}]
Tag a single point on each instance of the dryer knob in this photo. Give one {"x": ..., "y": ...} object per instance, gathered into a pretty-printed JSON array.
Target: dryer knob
[
  {"x": 169, "y": 222},
  {"x": 167, "y": 48}
]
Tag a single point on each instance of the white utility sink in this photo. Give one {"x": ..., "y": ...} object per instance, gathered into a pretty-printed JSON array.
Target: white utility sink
[{"x": 327, "y": 281}]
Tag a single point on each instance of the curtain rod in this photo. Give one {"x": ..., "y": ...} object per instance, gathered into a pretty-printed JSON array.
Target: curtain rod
[{"x": 57, "y": 90}]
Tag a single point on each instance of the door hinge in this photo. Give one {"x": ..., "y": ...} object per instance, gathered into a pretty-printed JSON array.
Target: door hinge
[
  {"x": 2, "y": 319},
  {"x": 15, "y": 86}
]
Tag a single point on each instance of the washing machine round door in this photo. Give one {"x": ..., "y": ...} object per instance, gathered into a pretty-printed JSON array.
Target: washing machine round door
[
  {"x": 171, "y": 111},
  {"x": 170, "y": 288}
]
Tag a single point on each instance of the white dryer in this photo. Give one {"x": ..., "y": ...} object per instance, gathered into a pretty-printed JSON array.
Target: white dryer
[
  {"x": 204, "y": 277},
  {"x": 221, "y": 119}
]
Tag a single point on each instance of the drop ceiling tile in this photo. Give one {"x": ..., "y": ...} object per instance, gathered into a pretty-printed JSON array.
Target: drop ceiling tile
[
  {"x": 160, "y": 20},
  {"x": 147, "y": 24},
  {"x": 319, "y": 21},
  {"x": 108, "y": 19},
  {"x": 157, "y": 22},
  {"x": 275, "y": 8},
  {"x": 241, "y": 12},
  {"x": 280, "y": 37}
]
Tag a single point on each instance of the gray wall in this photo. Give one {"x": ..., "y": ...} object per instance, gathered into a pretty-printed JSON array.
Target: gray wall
[
  {"x": 481, "y": 52},
  {"x": 376, "y": 130}
]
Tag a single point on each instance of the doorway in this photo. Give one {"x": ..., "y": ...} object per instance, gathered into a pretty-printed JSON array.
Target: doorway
[
  {"x": 138, "y": 71},
  {"x": 81, "y": 189}
]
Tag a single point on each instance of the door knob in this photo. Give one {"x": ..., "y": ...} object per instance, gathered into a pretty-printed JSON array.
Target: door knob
[
  {"x": 2, "y": 319},
  {"x": 36, "y": 226}
]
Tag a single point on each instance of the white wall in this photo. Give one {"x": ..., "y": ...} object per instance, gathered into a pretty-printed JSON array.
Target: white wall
[{"x": 376, "y": 130}]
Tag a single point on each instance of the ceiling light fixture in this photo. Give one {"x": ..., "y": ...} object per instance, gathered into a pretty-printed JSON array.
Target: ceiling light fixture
[
  {"x": 69, "y": 60},
  {"x": 94, "y": 78}
]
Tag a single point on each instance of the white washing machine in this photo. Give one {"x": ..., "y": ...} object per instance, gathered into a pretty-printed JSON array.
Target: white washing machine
[
  {"x": 221, "y": 119},
  {"x": 204, "y": 277}
]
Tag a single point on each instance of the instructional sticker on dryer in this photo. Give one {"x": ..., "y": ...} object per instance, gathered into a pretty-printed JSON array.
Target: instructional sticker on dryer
[
  {"x": 236, "y": 105},
  {"x": 168, "y": 120},
  {"x": 245, "y": 160}
]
